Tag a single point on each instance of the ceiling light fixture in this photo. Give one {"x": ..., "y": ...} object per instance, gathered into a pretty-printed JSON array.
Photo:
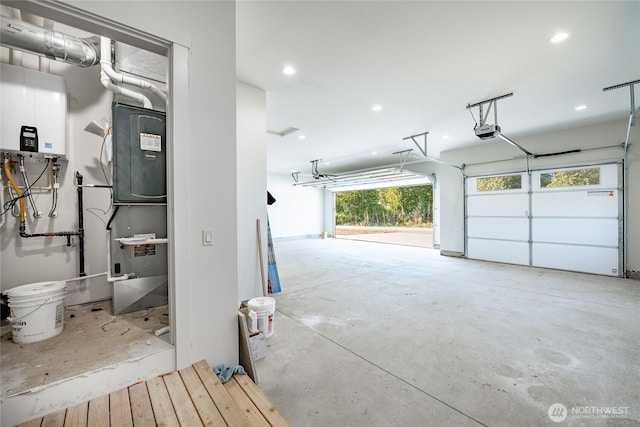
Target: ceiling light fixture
[
  {"x": 376, "y": 107},
  {"x": 289, "y": 70},
  {"x": 559, "y": 37},
  {"x": 374, "y": 152},
  {"x": 302, "y": 137},
  {"x": 581, "y": 107},
  {"x": 445, "y": 136}
]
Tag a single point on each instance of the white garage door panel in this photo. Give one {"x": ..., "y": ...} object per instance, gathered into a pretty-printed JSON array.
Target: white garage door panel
[
  {"x": 498, "y": 205},
  {"x": 499, "y": 228},
  {"x": 581, "y": 231},
  {"x": 586, "y": 259},
  {"x": 498, "y": 250},
  {"x": 566, "y": 225},
  {"x": 592, "y": 203}
]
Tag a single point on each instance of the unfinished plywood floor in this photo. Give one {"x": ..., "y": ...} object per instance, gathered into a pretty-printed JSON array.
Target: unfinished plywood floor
[{"x": 92, "y": 339}]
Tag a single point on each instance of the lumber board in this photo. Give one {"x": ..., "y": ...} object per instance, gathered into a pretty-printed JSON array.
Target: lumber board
[
  {"x": 223, "y": 400},
  {"x": 120, "y": 408},
  {"x": 246, "y": 355},
  {"x": 54, "y": 420},
  {"x": 245, "y": 404},
  {"x": 161, "y": 403},
  {"x": 141, "y": 410},
  {"x": 98, "y": 415},
  {"x": 185, "y": 411},
  {"x": 209, "y": 414},
  {"x": 77, "y": 415},
  {"x": 261, "y": 401},
  {"x": 36, "y": 422}
]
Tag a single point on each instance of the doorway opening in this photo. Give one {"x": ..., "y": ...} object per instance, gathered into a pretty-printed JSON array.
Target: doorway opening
[{"x": 394, "y": 215}]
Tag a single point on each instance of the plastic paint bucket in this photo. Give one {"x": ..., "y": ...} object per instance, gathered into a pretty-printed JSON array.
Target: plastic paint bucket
[
  {"x": 36, "y": 311},
  {"x": 265, "y": 308}
]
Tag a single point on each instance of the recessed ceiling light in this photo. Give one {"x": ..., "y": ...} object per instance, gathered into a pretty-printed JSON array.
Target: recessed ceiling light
[
  {"x": 559, "y": 37},
  {"x": 327, "y": 163},
  {"x": 374, "y": 152},
  {"x": 289, "y": 70},
  {"x": 302, "y": 136},
  {"x": 445, "y": 136},
  {"x": 581, "y": 107},
  {"x": 377, "y": 107}
]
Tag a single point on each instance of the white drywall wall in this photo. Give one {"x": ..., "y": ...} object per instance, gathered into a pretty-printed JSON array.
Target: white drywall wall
[
  {"x": 298, "y": 211},
  {"x": 585, "y": 138},
  {"x": 252, "y": 188}
]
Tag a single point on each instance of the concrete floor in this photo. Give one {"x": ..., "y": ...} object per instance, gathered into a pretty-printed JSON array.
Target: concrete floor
[{"x": 369, "y": 334}]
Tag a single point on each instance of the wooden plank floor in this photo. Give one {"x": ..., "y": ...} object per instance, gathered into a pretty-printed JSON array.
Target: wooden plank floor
[{"x": 193, "y": 396}]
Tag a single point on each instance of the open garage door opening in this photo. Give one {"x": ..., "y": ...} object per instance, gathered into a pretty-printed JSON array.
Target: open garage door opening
[{"x": 395, "y": 215}]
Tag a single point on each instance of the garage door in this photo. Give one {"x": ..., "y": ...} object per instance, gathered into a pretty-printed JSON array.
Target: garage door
[{"x": 566, "y": 218}]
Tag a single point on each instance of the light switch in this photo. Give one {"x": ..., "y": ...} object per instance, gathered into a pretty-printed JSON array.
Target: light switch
[{"x": 207, "y": 237}]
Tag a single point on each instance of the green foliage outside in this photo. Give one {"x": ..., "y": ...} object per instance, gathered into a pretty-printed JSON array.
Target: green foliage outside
[
  {"x": 495, "y": 183},
  {"x": 399, "y": 206},
  {"x": 571, "y": 178}
]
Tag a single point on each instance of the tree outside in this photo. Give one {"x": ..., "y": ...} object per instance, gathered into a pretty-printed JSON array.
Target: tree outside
[{"x": 397, "y": 206}]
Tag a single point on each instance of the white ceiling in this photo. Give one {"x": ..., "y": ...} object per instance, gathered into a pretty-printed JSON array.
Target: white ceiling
[{"x": 424, "y": 61}]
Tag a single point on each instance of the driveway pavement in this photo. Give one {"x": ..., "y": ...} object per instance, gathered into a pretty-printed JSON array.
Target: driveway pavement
[{"x": 408, "y": 236}]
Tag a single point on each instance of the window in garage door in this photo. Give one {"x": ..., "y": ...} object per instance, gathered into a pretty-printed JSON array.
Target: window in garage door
[{"x": 565, "y": 218}]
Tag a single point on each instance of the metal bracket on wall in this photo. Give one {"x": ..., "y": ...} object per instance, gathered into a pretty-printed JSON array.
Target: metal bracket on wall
[
  {"x": 404, "y": 156},
  {"x": 633, "y": 111},
  {"x": 493, "y": 102},
  {"x": 423, "y": 150}
]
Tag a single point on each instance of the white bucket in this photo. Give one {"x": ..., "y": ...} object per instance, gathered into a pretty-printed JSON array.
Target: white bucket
[
  {"x": 265, "y": 308},
  {"x": 36, "y": 311}
]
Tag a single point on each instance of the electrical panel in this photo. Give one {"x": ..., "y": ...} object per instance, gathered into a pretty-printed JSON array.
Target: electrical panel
[
  {"x": 33, "y": 112},
  {"x": 139, "y": 155}
]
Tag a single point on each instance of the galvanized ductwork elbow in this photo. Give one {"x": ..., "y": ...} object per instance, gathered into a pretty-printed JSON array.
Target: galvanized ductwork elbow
[{"x": 20, "y": 35}]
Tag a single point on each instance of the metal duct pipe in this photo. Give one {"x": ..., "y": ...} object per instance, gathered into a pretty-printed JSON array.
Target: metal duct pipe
[
  {"x": 16, "y": 34},
  {"x": 15, "y": 56}
]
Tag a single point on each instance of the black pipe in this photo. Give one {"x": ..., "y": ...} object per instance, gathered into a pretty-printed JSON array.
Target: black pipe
[
  {"x": 80, "y": 224},
  {"x": 24, "y": 234},
  {"x": 113, "y": 215},
  {"x": 559, "y": 153}
]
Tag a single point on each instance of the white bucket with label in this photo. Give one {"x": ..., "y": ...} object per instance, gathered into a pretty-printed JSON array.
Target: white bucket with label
[
  {"x": 36, "y": 311},
  {"x": 265, "y": 308}
]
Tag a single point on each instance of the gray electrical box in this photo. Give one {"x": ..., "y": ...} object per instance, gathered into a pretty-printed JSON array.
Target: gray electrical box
[{"x": 139, "y": 155}]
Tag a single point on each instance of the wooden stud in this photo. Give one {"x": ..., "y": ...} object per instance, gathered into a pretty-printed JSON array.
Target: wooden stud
[
  {"x": 99, "y": 412},
  {"x": 185, "y": 411},
  {"x": 141, "y": 410},
  {"x": 161, "y": 403},
  {"x": 54, "y": 420},
  {"x": 77, "y": 415},
  {"x": 120, "y": 408},
  {"x": 261, "y": 401},
  {"x": 245, "y": 404},
  {"x": 36, "y": 422},
  {"x": 209, "y": 414},
  {"x": 225, "y": 404}
]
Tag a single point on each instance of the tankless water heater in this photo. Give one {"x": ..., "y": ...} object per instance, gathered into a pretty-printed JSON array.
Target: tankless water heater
[{"x": 33, "y": 112}]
